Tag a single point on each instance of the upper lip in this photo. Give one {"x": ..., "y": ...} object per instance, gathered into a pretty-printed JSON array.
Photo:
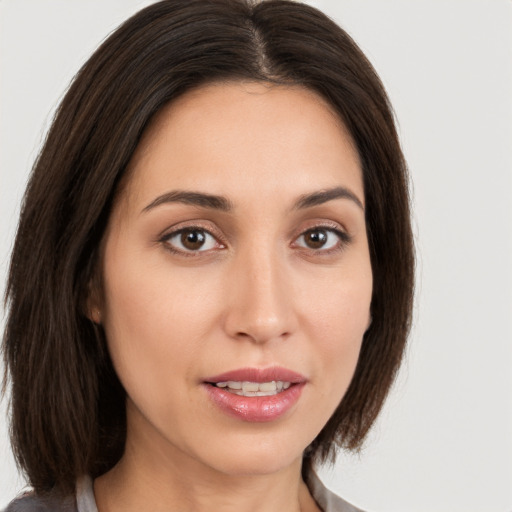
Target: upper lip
[{"x": 276, "y": 373}]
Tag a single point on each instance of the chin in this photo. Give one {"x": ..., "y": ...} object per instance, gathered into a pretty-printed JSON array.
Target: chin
[{"x": 254, "y": 456}]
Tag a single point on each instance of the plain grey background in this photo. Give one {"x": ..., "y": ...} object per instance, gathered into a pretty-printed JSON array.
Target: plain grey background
[{"x": 444, "y": 439}]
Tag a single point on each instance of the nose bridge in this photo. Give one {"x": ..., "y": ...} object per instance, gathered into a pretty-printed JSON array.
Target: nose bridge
[{"x": 261, "y": 304}]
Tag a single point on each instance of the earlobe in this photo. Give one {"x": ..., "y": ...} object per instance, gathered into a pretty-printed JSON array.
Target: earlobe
[
  {"x": 95, "y": 315},
  {"x": 93, "y": 298},
  {"x": 92, "y": 307},
  {"x": 92, "y": 311}
]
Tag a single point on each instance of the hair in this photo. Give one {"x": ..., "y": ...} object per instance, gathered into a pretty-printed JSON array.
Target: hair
[{"x": 67, "y": 405}]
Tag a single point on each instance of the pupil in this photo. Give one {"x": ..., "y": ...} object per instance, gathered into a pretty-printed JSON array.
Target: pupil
[
  {"x": 192, "y": 239},
  {"x": 316, "y": 239}
]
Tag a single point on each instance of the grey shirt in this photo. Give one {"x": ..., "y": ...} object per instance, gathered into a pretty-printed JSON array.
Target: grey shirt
[{"x": 85, "y": 502}]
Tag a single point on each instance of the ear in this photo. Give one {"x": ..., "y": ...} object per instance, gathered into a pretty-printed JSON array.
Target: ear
[
  {"x": 94, "y": 315},
  {"x": 93, "y": 310},
  {"x": 93, "y": 304}
]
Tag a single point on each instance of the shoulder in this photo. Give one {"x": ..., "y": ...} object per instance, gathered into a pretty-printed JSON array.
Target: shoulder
[
  {"x": 326, "y": 499},
  {"x": 82, "y": 502},
  {"x": 32, "y": 503}
]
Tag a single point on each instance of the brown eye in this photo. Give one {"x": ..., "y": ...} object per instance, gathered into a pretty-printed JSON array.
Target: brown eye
[
  {"x": 191, "y": 240},
  {"x": 322, "y": 239},
  {"x": 315, "y": 239}
]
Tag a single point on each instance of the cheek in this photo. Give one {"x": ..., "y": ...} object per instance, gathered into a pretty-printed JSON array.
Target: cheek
[
  {"x": 335, "y": 318},
  {"x": 339, "y": 307},
  {"x": 338, "y": 317},
  {"x": 155, "y": 321}
]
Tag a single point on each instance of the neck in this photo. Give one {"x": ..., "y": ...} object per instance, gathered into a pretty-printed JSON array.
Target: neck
[{"x": 143, "y": 480}]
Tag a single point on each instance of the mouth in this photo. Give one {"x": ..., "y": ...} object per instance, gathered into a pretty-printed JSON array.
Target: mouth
[
  {"x": 247, "y": 388},
  {"x": 256, "y": 395}
]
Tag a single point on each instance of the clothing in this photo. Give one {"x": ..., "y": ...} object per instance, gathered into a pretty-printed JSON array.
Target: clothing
[{"x": 85, "y": 502}]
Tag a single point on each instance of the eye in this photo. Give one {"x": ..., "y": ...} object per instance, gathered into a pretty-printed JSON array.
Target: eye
[
  {"x": 191, "y": 240},
  {"x": 322, "y": 238}
]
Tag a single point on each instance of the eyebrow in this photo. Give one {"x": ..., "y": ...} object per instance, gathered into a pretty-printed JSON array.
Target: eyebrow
[
  {"x": 323, "y": 196},
  {"x": 200, "y": 199},
  {"x": 222, "y": 203}
]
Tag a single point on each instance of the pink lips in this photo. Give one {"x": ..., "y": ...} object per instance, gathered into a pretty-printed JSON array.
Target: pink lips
[{"x": 256, "y": 408}]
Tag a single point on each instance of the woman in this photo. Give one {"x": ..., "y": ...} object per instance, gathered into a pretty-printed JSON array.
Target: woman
[{"x": 210, "y": 289}]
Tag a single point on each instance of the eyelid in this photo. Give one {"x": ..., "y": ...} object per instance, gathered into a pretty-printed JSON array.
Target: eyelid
[
  {"x": 326, "y": 224},
  {"x": 333, "y": 227},
  {"x": 190, "y": 226},
  {"x": 344, "y": 237}
]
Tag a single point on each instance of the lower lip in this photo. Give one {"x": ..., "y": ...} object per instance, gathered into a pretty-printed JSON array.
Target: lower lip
[{"x": 255, "y": 408}]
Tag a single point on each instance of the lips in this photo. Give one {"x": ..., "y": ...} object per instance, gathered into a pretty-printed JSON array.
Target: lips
[
  {"x": 275, "y": 373},
  {"x": 255, "y": 395}
]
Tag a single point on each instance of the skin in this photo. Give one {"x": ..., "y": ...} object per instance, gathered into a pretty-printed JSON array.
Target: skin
[{"x": 257, "y": 294}]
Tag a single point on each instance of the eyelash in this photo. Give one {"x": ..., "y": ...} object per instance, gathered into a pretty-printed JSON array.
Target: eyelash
[
  {"x": 188, "y": 229},
  {"x": 344, "y": 239}
]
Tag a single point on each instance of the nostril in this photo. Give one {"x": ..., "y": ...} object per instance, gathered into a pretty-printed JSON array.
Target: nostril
[{"x": 258, "y": 320}]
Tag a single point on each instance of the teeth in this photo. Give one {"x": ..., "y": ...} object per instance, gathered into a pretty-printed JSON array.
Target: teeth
[
  {"x": 250, "y": 386},
  {"x": 267, "y": 386},
  {"x": 246, "y": 388}
]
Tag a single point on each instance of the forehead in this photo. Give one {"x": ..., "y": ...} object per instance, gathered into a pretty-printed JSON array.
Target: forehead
[
  {"x": 208, "y": 99},
  {"x": 245, "y": 135}
]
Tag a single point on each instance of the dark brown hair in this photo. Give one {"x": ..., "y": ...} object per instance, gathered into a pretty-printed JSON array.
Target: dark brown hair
[{"x": 67, "y": 405}]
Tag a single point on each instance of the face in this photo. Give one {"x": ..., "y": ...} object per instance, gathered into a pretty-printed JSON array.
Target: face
[{"x": 236, "y": 278}]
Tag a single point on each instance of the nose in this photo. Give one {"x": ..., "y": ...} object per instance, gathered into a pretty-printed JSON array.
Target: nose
[{"x": 260, "y": 306}]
